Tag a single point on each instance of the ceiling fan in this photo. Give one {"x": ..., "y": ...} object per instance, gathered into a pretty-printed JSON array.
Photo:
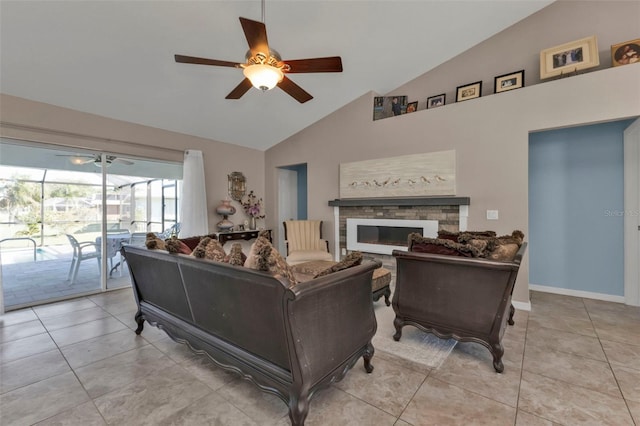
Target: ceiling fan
[
  {"x": 95, "y": 159},
  {"x": 264, "y": 69}
]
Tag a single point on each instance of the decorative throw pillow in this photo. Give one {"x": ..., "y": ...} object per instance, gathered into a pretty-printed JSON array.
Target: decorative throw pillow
[
  {"x": 420, "y": 244},
  {"x": 453, "y": 236},
  {"x": 192, "y": 242},
  {"x": 153, "y": 242},
  {"x": 264, "y": 257},
  {"x": 507, "y": 246},
  {"x": 174, "y": 245},
  {"x": 236, "y": 256},
  {"x": 209, "y": 248},
  {"x": 352, "y": 259},
  {"x": 483, "y": 243}
]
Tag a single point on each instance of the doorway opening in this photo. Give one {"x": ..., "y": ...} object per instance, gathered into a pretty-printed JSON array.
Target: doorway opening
[{"x": 292, "y": 197}]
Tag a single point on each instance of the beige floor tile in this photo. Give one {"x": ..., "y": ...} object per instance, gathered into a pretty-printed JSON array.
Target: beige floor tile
[
  {"x": 149, "y": 332},
  {"x": 401, "y": 423},
  {"x": 116, "y": 302},
  {"x": 211, "y": 410},
  {"x": 28, "y": 346},
  {"x": 440, "y": 403},
  {"x": 121, "y": 370},
  {"x": 389, "y": 387},
  {"x": 178, "y": 352},
  {"x": 618, "y": 310},
  {"x": 572, "y": 324},
  {"x": 556, "y": 300},
  {"x": 17, "y": 317},
  {"x": 556, "y": 340},
  {"x": 332, "y": 406},
  {"x": 470, "y": 367},
  {"x": 20, "y": 331},
  {"x": 102, "y": 347},
  {"x": 32, "y": 369},
  {"x": 573, "y": 369},
  {"x": 61, "y": 308},
  {"x": 89, "y": 330},
  {"x": 75, "y": 318},
  {"x": 525, "y": 419},
  {"x": 261, "y": 407},
  {"x": 151, "y": 399},
  {"x": 618, "y": 332},
  {"x": 634, "y": 408},
  {"x": 629, "y": 381},
  {"x": 569, "y": 404},
  {"x": 41, "y": 400},
  {"x": 205, "y": 370},
  {"x": 622, "y": 353},
  {"x": 85, "y": 415}
]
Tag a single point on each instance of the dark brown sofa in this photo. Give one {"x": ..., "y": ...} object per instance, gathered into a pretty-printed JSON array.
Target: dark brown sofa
[
  {"x": 468, "y": 299},
  {"x": 290, "y": 342}
]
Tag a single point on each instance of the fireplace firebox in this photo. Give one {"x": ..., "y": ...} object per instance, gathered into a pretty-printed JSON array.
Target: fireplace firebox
[{"x": 385, "y": 235}]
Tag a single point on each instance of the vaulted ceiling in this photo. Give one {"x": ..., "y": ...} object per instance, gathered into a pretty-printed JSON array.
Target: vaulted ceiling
[{"x": 115, "y": 58}]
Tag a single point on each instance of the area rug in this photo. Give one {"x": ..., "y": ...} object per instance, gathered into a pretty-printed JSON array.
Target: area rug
[{"x": 415, "y": 345}]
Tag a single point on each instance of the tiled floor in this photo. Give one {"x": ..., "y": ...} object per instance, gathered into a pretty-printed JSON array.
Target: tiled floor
[{"x": 569, "y": 361}]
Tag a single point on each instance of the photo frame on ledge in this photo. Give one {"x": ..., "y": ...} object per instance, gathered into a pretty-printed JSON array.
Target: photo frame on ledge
[
  {"x": 436, "y": 101},
  {"x": 569, "y": 57},
  {"x": 625, "y": 53},
  {"x": 469, "y": 91},
  {"x": 412, "y": 107},
  {"x": 503, "y": 83}
]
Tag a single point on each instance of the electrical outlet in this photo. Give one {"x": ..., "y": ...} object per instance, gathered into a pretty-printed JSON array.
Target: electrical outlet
[
  {"x": 344, "y": 251},
  {"x": 492, "y": 214}
]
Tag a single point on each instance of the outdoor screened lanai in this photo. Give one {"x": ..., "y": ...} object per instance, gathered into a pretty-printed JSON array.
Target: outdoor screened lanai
[{"x": 64, "y": 214}]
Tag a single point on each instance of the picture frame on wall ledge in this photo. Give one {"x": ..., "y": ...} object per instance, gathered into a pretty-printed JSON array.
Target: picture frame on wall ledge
[
  {"x": 625, "y": 53},
  {"x": 469, "y": 91},
  {"x": 506, "y": 82},
  {"x": 412, "y": 107},
  {"x": 389, "y": 106},
  {"x": 569, "y": 57},
  {"x": 436, "y": 101}
]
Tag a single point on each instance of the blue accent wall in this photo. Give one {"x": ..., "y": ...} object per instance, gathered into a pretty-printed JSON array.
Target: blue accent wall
[
  {"x": 576, "y": 208},
  {"x": 301, "y": 169}
]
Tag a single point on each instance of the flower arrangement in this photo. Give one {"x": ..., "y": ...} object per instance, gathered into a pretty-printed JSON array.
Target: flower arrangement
[{"x": 252, "y": 205}]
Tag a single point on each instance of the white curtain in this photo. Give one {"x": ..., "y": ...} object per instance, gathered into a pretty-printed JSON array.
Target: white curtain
[{"x": 193, "y": 207}]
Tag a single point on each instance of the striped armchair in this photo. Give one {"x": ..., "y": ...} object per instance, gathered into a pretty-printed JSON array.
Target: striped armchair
[{"x": 304, "y": 241}]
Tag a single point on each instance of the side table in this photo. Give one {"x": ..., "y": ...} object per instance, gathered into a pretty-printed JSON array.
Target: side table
[{"x": 247, "y": 235}]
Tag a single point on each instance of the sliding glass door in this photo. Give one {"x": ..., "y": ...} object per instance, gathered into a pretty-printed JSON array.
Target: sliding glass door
[{"x": 64, "y": 214}]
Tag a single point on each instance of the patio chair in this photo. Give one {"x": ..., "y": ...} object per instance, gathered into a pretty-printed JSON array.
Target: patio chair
[
  {"x": 304, "y": 241},
  {"x": 81, "y": 251},
  {"x": 167, "y": 233}
]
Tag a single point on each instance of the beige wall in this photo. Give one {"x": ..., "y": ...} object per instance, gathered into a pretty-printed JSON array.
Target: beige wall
[
  {"x": 22, "y": 119},
  {"x": 490, "y": 134}
]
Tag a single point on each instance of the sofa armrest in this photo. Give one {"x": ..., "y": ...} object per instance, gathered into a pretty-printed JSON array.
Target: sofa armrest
[{"x": 331, "y": 318}]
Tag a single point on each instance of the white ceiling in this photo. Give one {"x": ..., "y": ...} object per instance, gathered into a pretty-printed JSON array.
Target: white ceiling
[{"x": 115, "y": 58}]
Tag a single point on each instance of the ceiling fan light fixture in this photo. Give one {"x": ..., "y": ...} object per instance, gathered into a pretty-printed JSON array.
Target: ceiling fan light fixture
[
  {"x": 75, "y": 160},
  {"x": 263, "y": 77}
]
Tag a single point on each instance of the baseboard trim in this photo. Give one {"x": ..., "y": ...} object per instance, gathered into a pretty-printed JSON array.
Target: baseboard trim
[
  {"x": 577, "y": 293},
  {"x": 521, "y": 306}
]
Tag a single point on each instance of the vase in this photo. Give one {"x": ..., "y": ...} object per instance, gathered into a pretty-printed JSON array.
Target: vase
[
  {"x": 252, "y": 223},
  {"x": 225, "y": 209}
]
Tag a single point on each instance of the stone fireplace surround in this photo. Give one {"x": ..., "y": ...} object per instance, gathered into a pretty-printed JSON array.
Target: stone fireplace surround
[{"x": 450, "y": 212}]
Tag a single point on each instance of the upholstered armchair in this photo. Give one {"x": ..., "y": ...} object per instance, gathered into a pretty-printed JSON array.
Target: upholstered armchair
[{"x": 304, "y": 241}]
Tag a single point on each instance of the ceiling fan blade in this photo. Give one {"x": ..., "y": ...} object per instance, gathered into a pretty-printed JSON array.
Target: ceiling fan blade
[
  {"x": 123, "y": 161},
  {"x": 203, "y": 61},
  {"x": 297, "y": 92},
  {"x": 329, "y": 64},
  {"x": 240, "y": 89},
  {"x": 256, "y": 34}
]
